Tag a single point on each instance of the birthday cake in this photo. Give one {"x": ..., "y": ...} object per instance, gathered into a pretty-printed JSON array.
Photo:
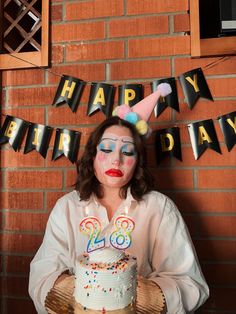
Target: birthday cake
[{"x": 106, "y": 280}]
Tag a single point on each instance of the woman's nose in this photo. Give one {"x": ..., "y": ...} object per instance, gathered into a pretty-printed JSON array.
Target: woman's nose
[{"x": 117, "y": 159}]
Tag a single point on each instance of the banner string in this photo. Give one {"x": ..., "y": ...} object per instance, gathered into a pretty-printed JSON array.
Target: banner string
[
  {"x": 35, "y": 65},
  {"x": 207, "y": 66},
  {"x": 179, "y": 124},
  {"x": 211, "y": 64}
]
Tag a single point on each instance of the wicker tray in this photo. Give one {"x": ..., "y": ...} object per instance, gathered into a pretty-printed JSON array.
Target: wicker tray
[{"x": 60, "y": 300}]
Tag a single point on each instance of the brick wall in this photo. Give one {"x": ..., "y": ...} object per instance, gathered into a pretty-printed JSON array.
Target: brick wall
[{"x": 119, "y": 41}]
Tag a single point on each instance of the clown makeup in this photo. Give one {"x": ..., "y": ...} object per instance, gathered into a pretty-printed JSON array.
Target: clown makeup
[
  {"x": 116, "y": 157},
  {"x": 109, "y": 145}
]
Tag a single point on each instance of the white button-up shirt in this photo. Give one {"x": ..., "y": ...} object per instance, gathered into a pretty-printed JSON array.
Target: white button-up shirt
[{"x": 160, "y": 241}]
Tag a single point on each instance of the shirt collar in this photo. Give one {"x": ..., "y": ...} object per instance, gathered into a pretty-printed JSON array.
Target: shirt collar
[{"x": 130, "y": 201}]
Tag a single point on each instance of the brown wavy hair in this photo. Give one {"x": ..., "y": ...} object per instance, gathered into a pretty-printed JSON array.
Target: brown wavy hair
[{"x": 142, "y": 181}]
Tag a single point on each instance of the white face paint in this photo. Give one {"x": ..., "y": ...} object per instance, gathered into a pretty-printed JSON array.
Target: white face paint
[{"x": 116, "y": 157}]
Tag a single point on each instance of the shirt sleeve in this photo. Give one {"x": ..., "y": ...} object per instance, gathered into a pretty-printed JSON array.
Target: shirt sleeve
[
  {"x": 51, "y": 259},
  {"x": 175, "y": 265}
]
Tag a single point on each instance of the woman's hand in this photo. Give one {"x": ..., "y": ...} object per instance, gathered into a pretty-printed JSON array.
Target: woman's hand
[
  {"x": 149, "y": 295},
  {"x": 61, "y": 278}
]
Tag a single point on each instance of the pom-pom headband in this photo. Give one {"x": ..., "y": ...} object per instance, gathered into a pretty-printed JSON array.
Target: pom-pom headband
[{"x": 140, "y": 113}]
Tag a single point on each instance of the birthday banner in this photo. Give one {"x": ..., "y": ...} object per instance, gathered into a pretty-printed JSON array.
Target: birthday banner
[
  {"x": 66, "y": 141},
  {"x": 167, "y": 141},
  {"x": 101, "y": 95}
]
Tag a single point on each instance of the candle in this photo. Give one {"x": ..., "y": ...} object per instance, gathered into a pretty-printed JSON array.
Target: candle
[
  {"x": 121, "y": 237},
  {"x": 91, "y": 226}
]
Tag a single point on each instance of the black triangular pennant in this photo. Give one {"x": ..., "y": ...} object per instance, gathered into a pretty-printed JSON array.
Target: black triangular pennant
[
  {"x": 194, "y": 86},
  {"x": 203, "y": 135},
  {"x": 167, "y": 143},
  {"x": 101, "y": 97},
  {"x": 66, "y": 143},
  {"x": 69, "y": 91},
  {"x": 228, "y": 128},
  {"x": 38, "y": 138},
  {"x": 130, "y": 94},
  {"x": 13, "y": 131},
  {"x": 170, "y": 100}
]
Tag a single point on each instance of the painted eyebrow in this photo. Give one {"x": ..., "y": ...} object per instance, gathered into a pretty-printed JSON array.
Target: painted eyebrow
[
  {"x": 112, "y": 139},
  {"x": 108, "y": 138}
]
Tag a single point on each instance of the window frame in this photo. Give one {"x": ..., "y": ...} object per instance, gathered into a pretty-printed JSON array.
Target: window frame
[
  {"x": 207, "y": 47},
  {"x": 33, "y": 59}
]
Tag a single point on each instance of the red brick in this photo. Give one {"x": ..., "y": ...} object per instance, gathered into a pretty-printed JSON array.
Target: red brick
[
  {"x": 94, "y": 9},
  {"x": 78, "y": 32},
  {"x": 31, "y": 96},
  {"x": 155, "y": 47},
  {"x": 207, "y": 159},
  {"x": 223, "y": 179},
  {"x": 57, "y": 54},
  {"x": 221, "y": 299},
  {"x": 219, "y": 274},
  {"x": 95, "y": 51},
  {"x": 218, "y": 226},
  {"x": 1, "y": 222},
  {"x": 86, "y": 72},
  {"x": 10, "y": 158},
  {"x": 138, "y": 26},
  {"x": 181, "y": 23},
  {"x": 184, "y": 64},
  {"x": 3, "y": 97},
  {"x": 20, "y": 243},
  {"x": 170, "y": 179},
  {"x": 216, "y": 250},
  {"x": 22, "y": 200},
  {"x": 153, "y": 6},
  {"x": 205, "y": 109},
  {"x": 25, "y": 221},
  {"x": 17, "y": 264},
  {"x": 27, "y": 114},
  {"x": 15, "y": 286},
  {"x": 19, "y": 306},
  {"x": 208, "y": 202},
  {"x": 23, "y": 77},
  {"x": 33, "y": 179},
  {"x": 222, "y": 87},
  {"x": 52, "y": 198},
  {"x": 56, "y": 12},
  {"x": 71, "y": 177},
  {"x": 63, "y": 116},
  {"x": 142, "y": 68}
]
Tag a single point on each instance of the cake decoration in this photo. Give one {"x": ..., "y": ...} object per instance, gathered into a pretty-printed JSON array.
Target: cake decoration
[
  {"x": 92, "y": 226},
  {"x": 106, "y": 280},
  {"x": 120, "y": 238}
]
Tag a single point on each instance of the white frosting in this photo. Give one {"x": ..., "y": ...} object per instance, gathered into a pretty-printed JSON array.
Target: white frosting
[
  {"x": 106, "y": 256},
  {"x": 109, "y": 283}
]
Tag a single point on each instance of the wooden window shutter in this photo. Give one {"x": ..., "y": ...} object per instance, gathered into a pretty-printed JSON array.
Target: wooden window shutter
[{"x": 24, "y": 34}]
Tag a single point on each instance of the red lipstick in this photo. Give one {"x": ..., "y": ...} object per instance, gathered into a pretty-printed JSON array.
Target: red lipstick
[{"x": 114, "y": 173}]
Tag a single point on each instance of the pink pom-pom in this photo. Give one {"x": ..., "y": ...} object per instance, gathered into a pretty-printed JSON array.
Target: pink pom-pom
[
  {"x": 165, "y": 89},
  {"x": 122, "y": 110}
]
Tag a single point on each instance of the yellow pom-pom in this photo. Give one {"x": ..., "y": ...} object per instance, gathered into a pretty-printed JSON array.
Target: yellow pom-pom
[
  {"x": 142, "y": 127},
  {"x": 114, "y": 112}
]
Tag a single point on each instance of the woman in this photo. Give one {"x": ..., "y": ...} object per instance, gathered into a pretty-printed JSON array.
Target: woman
[{"x": 112, "y": 177}]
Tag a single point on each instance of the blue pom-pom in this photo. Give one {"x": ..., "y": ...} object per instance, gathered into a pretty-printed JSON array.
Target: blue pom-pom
[{"x": 132, "y": 117}]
